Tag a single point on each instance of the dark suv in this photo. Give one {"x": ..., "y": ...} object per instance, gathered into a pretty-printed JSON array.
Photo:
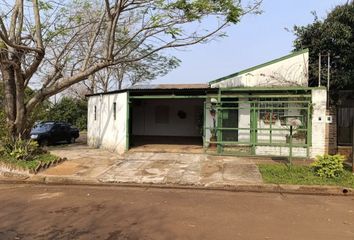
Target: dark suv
[{"x": 51, "y": 132}]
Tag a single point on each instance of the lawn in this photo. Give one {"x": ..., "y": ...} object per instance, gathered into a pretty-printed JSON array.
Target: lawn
[
  {"x": 30, "y": 164},
  {"x": 301, "y": 175}
]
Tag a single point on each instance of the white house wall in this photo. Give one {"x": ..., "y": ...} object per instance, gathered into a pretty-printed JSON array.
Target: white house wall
[
  {"x": 292, "y": 71},
  {"x": 107, "y": 132}
]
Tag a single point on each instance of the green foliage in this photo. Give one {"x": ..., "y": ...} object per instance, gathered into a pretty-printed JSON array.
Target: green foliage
[
  {"x": 2, "y": 44},
  {"x": 45, "y": 6},
  {"x": 71, "y": 110},
  {"x": 213, "y": 132},
  {"x": 32, "y": 163},
  {"x": 328, "y": 166},
  {"x": 2, "y": 123},
  {"x": 19, "y": 149},
  {"x": 335, "y": 35},
  {"x": 39, "y": 113},
  {"x": 195, "y": 10},
  {"x": 301, "y": 175}
]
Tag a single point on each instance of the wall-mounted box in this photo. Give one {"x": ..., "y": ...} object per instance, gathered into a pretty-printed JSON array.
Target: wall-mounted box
[{"x": 329, "y": 119}]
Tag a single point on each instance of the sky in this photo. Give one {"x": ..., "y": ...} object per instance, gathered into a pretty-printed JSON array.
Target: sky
[{"x": 256, "y": 39}]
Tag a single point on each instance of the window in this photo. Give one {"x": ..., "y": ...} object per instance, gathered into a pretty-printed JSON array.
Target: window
[
  {"x": 95, "y": 113},
  {"x": 114, "y": 110},
  {"x": 271, "y": 110}
]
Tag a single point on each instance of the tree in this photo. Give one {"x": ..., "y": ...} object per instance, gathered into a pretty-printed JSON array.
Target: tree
[
  {"x": 2, "y": 113},
  {"x": 56, "y": 46},
  {"x": 334, "y": 35},
  {"x": 70, "y": 110},
  {"x": 40, "y": 112},
  {"x": 127, "y": 74}
]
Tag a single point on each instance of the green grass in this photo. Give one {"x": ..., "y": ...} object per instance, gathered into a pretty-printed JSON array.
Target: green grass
[
  {"x": 30, "y": 164},
  {"x": 301, "y": 175}
]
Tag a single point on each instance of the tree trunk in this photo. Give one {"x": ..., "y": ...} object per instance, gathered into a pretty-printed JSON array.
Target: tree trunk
[
  {"x": 14, "y": 96},
  {"x": 8, "y": 74},
  {"x": 20, "y": 122}
]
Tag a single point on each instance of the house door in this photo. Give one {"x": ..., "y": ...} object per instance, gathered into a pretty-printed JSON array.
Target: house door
[{"x": 229, "y": 120}]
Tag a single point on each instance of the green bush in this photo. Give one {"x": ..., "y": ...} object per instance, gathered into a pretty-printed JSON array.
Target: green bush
[
  {"x": 81, "y": 122},
  {"x": 20, "y": 149},
  {"x": 328, "y": 166},
  {"x": 70, "y": 110}
]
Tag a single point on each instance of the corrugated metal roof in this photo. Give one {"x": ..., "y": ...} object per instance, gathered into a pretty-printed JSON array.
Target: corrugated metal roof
[
  {"x": 171, "y": 86},
  {"x": 162, "y": 88}
]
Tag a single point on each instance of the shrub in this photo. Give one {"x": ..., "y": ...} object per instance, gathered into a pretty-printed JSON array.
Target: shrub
[
  {"x": 20, "y": 149},
  {"x": 328, "y": 166}
]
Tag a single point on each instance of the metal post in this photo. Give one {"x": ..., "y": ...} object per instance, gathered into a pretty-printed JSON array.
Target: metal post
[
  {"x": 319, "y": 69},
  {"x": 204, "y": 125},
  {"x": 127, "y": 124},
  {"x": 291, "y": 145},
  {"x": 219, "y": 124}
]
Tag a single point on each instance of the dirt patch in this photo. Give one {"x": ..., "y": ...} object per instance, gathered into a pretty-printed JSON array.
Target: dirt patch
[{"x": 66, "y": 168}]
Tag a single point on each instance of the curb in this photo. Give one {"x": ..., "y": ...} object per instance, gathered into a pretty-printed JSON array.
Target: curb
[{"x": 256, "y": 188}]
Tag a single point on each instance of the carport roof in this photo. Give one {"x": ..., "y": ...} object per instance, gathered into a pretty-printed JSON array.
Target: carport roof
[{"x": 163, "y": 89}]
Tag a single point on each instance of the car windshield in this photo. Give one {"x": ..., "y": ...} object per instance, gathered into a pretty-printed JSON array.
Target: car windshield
[{"x": 42, "y": 127}]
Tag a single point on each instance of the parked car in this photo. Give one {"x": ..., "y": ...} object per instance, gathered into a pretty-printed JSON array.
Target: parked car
[{"x": 50, "y": 132}]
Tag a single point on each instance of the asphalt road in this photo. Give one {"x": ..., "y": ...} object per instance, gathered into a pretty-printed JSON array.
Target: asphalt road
[{"x": 81, "y": 212}]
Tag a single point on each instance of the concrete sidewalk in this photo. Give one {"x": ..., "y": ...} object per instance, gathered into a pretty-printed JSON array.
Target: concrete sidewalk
[
  {"x": 98, "y": 167},
  {"x": 159, "y": 168}
]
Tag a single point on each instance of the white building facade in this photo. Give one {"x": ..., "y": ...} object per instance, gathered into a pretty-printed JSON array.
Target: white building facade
[{"x": 245, "y": 113}]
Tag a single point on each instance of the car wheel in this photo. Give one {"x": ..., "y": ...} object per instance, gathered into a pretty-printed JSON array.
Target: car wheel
[{"x": 71, "y": 140}]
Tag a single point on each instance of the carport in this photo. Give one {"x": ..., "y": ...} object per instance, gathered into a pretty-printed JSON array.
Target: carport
[{"x": 167, "y": 119}]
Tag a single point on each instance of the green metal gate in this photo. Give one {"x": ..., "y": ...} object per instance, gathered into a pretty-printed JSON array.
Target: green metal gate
[{"x": 251, "y": 122}]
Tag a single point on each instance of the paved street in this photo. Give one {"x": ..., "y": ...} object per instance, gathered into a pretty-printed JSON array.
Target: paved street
[{"x": 79, "y": 212}]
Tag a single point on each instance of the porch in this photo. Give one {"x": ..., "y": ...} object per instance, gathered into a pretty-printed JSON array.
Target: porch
[{"x": 230, "y": 121}]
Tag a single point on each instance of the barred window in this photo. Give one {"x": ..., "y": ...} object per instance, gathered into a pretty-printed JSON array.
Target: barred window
[{"x": 271, "y": 110}]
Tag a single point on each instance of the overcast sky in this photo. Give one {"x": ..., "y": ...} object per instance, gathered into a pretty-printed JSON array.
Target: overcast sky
[{"x": 256, "y": 39}]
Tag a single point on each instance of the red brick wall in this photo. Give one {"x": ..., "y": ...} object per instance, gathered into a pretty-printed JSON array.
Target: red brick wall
[
  {"x": 346, "y": 151},
  {"x": 331, "y": 132}
]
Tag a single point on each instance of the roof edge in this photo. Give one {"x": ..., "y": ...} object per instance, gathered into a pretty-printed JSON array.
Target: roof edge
[
  {"x": 260, "y": 66},
  {"x": 107, "y": 93}
]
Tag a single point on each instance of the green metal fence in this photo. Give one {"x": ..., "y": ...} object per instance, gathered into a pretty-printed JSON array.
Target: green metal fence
[{"x": 256, "y": 123}]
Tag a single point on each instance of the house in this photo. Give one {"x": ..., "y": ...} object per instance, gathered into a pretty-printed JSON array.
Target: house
[{"x": 266, "y": 110}]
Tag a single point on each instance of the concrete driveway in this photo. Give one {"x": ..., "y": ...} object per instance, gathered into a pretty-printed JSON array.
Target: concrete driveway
[
  {"x": 151, "y": 167},
  {"x": 181, "y": 168}
]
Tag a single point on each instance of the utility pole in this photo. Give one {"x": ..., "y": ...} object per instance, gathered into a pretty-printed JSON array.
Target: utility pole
[{"x": 319, "y": 69}]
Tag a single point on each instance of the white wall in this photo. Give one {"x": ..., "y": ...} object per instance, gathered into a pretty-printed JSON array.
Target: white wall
[
  {"x": 144, "y": 122},
  {"x": 292, "y": 71},
  {"x": 244, "y": 121},
  {"x": 106, "y": 132},
  {"x": 319, "y": 101},
  {"x": 280, "y": 151}
]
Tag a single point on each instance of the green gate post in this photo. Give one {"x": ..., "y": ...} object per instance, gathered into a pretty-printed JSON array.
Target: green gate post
[
  {"x": 219, "y": 124},
  {"x": 253, "y": 128},
  {"x": 127, "y": 126}
]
